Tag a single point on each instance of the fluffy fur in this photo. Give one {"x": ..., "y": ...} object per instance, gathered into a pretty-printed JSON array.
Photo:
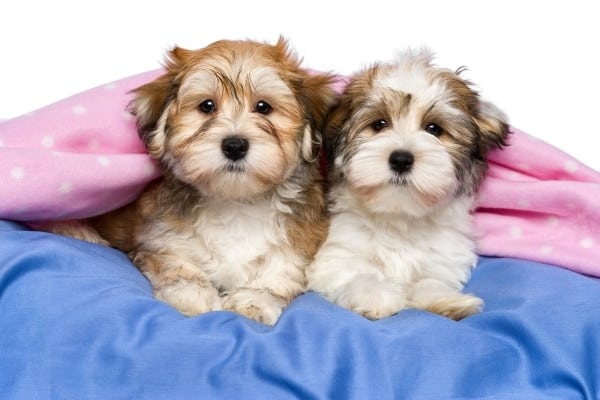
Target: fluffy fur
[
  {"x": 407, "y": 147},
  {"x": 240, "y": 211}
]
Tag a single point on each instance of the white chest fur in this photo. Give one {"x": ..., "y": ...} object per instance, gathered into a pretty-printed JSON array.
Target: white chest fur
[
  {"x": 400, "y": 247},
  {"x": 233, "y": 240},
  {"x": 378, "y": 264}
]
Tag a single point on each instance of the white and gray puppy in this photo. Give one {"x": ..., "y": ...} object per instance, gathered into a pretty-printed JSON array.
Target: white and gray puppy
[{"x": 407, "y": 145}]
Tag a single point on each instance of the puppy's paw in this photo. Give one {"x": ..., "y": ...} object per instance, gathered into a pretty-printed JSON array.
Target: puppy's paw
[
  {"x": 456, "y": 306},
  {"x": 371, "y": 298},
  {"x": 257, "y": 304},
  {"x": 440, "y": 298},
  {"x": 190, "y": 298},
  {"x": 75, "y": 229}
]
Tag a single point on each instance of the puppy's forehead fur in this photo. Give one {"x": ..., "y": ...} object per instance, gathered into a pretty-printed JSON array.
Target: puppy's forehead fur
[
  {"x": 203, "y": 79},
  {"x": 408, "y": 75},
  {"x": 243, "y": 66},
  {"x": 409, "y": 93},
  {"x": 415, "y": 76}
]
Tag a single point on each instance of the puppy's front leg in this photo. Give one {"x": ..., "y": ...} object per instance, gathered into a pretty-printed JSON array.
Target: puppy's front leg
[
  {"x": 73, "y": 228},
  {"x": 356, "y": 284},
  {"x": 440, "y": 298},
  {"x": 278, "y": 280},
  {"x": 178, "y": 282}
]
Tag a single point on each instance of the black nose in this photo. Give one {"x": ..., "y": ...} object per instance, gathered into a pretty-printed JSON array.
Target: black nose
[
  {"x": 401, "y": 161},
  {"x": 235, "y": 147}
]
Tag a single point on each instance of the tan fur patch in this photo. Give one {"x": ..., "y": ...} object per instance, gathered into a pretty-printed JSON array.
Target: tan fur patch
[
  {"x": 456, "y": 307},
  {"x": 307, "y": 225}
]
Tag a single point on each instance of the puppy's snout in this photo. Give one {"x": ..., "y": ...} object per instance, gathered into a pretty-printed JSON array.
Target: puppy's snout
[
  {"x": 235, "y": 147},
  {"x": 401, "y": 161}
]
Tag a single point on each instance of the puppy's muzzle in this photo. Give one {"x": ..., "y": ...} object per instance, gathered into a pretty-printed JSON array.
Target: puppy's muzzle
[
  {"x": 401, "y": 161},
  {"x": 235, "y": 147}
]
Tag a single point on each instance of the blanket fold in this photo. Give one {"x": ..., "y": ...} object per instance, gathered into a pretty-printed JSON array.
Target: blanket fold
[{"x": 80, "y": 322}]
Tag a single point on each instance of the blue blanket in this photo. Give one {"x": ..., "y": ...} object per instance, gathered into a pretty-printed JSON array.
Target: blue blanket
[{"x": 78, "y": 321}]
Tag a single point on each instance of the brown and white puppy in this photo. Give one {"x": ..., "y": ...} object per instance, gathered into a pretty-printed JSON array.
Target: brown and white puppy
[
  {"x": 407, "y": 146},
  {"x": 240, "y": 211}
]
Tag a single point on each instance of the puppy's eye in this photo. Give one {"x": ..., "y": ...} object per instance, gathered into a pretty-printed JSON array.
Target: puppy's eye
[
  {"x": 379, "y": 125},
  {"x": 433, "y": 129},
  {"x": 263, "y": 107},
  {"x": 207, "y": 106}
]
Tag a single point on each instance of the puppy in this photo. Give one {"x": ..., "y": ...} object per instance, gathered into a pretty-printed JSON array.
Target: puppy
[
  {"x": 240, "y": 211},
  {"x": 407, "y": 147}
]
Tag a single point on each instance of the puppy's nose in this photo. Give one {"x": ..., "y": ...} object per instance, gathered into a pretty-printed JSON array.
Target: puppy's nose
[
  {"x": 235, "y": 147},
  {"x": 401, "y": 161}
]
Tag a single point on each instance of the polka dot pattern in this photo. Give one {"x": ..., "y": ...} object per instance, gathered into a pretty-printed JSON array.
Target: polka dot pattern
[
  {"x": 79, "y": 109},
  {"x": 516, "y": 232},
  {"x": 17, "y": 173},
  {"x": 48, "y": 142},
  {"x": 104, "y": 161},
  {"x": 78, "y": 157},
  {"x": 546, "y": 249},
  {"x": 570, "y": 166},
  {"x": 587, "y": 243},
  {"x": 538, "y": 203},
  {"x": 66, "y": 187}
]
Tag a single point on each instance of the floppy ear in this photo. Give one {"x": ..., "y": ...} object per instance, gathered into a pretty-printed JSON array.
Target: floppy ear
[
  {"x": 152, "y": 100},
  {"x": 493, "y": 128},
  {"x": 284, "y": 55},
  {"x": 492, "y": 132},
  {"x": 332, "y": 127},
  {"x": 315, "y": 92},
  {"x": 319, "y": 96}
]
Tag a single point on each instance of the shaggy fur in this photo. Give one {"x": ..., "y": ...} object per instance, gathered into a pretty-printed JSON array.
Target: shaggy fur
[
  {"x": 240, "y": 211},
  {"x": 407, "y": 147}
]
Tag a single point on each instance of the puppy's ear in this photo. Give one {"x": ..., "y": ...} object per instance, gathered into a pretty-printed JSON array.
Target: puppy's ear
[
  {"x": 493, "y": 128},
  {"x": 492, "y": 132},
  {"x": 152, "y": 100},
  {"x": 316, "y": 94},
  {"x": 282, "y": 50},
  {"x": 332, "y": 129},
  {"x": 319, "y": 96},
  {"x": 148, "y": 106},
  {"x": 284, "y": 55}
]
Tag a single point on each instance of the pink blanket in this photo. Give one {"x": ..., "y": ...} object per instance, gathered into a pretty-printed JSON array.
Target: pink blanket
[{"x": 82, "y": 156}]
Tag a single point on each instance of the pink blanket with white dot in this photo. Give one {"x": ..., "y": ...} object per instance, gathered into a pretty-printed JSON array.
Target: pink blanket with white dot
[{"x": 82, "y": 157}]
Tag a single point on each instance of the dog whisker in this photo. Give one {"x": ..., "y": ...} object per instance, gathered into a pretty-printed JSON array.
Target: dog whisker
[
  {"x": 399, "y": 180},
  {"x": 236, "y": 168}
]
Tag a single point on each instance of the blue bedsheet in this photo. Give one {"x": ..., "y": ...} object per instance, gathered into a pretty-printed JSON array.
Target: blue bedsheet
[{"x": 78, "y": 321}]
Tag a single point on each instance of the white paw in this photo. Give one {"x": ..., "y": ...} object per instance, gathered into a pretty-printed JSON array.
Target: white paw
[
  {"x": 440, "y": 298},
  {"x": 257, "y": 304},
  {"x": 456, "y": 306},
  {"x": 372, "y": 298},
  {"x": 190, "y": 298}
]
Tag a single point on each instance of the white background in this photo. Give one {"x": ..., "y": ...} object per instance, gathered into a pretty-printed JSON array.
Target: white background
[{"x": 536, "y": 60}]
